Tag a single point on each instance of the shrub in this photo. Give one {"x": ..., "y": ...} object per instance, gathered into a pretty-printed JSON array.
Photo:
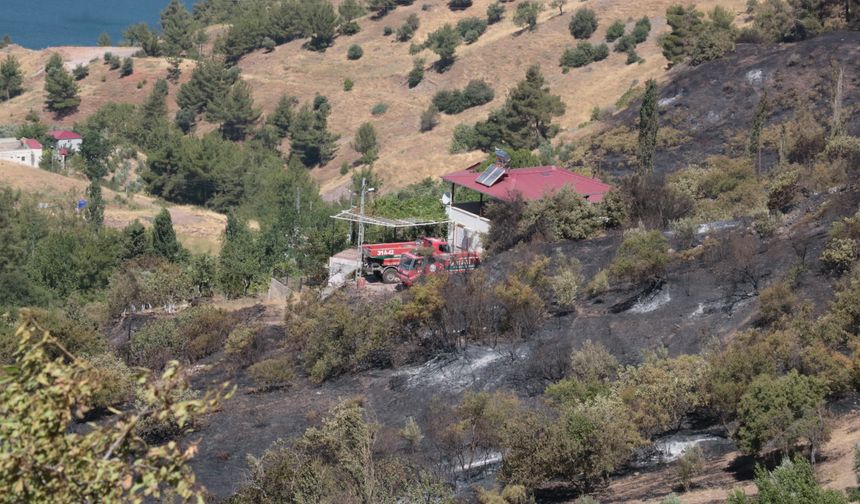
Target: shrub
[
  {"x": 625, "y": 44},
  {"x": 80, "y": 72},
  {"x": 112, "y": 380},
  {"x": 563, "y": 215},
  {"x": 632, "y": 57},
  {"x": 583, "y": 54},
  {"x": 839, "y": 255},
  {"x": 476, "y": 93},
  {"x": 464, "y": 139},
  {"x": 268, "y": 44},
  {"x": 354, "y": 52},
  {"x": 159, "y": 428},
  {"x": 642, "y": 257},
  {"x": 407, "y": 29},
  {"x": 782, "y": 190},
  {"x": 379, "y": 109},
  {"x": 114, "y": 62},
  {"x": 641, "y": 30},
  {"x": 690, "y": 465},
  {"x": 615, "y": 31},
  {"x": 416, "y": 75},
  {"x": 471, "y": 28},
  {"x": 348, "y": 84},
  {"x": 242, "y": 345},
  {"x": 387, "y": 31},
  {"x": 203, "y": 331},
  {"x": 844, "y": 147},
  {"x": 523, "y": 307},
  {"x": 495, "y": 11},
  {"x": 565, "y": 283},
  {"x": 429, "y": 118},
  {"x": 459, "y": 4},
  {"x": 127, "y": 67},
  {"x": 775, "y": 301},
  {"x": 272, "y": 373},
  {"x": 583, "y": 23},
  {"x": 599, "y": 284}
]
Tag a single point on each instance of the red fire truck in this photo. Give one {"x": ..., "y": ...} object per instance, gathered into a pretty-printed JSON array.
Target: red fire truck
[
  {"x": 413, "y": 266},
  {"x": 382, "y": 259}
]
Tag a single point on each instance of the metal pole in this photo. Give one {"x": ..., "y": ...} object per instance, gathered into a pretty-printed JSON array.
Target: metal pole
[{"x": 360, "y": 240}]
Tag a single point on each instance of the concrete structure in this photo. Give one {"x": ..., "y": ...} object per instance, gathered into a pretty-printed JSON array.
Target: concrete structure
[
  {"x": 468, "y": 222},
  {"x": 24, "y": 151}
]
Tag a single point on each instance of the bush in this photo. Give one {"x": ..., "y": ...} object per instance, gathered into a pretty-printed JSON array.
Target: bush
[
  {"x": 387, "y": 31},
  {"x": 565, "y": 283},
  {"x": 495, "y": 11},
  {"x": 782, "y": 190},
  {"x": 641, "y": 30},
  {"x": 272, "y": 373},
  {"x": 113, "y": 381},
  {"x": 476, "y": 93},
  {"x": 583, "y": 23},
  {"x": 615, "y": 31},
  {"x": 599, "y": 284},
  {"x": 354, "y": 52},
  {"x": 379, "y": 109},
  {"x": 348, "y": 85},
  {"x": 158, "y": 428},
  {"x": 459, "y": 4},
  {"x": 625, "y": 44},
  {"x": 839, "y": 255},
  {"x": 127, "y": 67},
  {"x": 203, "y": 331},
  {"x": 583, "y": 54},
  {"x": 416, "y": 75},
  {"x": 690, "y": 465},
  {"x": 268, "y": 44},
  {"x": 464, "y": 139},
  {"x": 471, "y": 28},
  {"x": 641, "y": 258},
  {"x": 775, "y": 302},
  {"x": 429, "y": 119},
  {"x": 407, "y": 29},
  {"x": 80, "y": 72},
  {"x": 242, "y": 345}
]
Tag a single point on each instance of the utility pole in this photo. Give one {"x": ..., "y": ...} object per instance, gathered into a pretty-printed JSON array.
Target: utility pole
[{"x": 360, "y": 240}]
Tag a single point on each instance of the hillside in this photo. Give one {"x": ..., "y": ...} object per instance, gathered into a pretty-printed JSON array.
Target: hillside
[
  {"x": 500, "y": 56},
  {"x": 199, "y": 230}
]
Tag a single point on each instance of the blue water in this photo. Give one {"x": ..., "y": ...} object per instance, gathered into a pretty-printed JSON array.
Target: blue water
[{"x": 37, "y": 24}]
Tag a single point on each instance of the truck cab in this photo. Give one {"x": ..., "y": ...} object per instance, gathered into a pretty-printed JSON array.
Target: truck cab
[
  {"x": 413, "y": 266},
  {"x": 383, "y": 259}
]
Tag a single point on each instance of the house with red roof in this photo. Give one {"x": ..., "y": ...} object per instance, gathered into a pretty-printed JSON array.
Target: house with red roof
[
  {"x": 498, "y": 182},
  {"x": 23, "y": 151},
  {"x": 67, "y": 141}
]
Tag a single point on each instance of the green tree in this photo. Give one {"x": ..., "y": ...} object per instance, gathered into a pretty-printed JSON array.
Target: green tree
[
  {"x": 235, "y": 112},
  {"x": 135, "y": 241},
  {"x": 42, "y": 398},
  {"x": 238, "y": 262},
  {"x": 495, "y": 12},
  {"x": 11, "y": 78},
  {"x": 527, "y": 14},
  {"x": 320, "y": 22},
  {"x": 94, "y": 212},
  {"x": 686, "y": 24},
  {"x": 210, "y": 81},
  {"x": 55, "y": 62},
  {"x": 164, "y": 241},
  {"x": 61, "y": 91},
  {"x": 793, "y": 481},
  {"x": 282, "y": 118},
  {"x": 95, "y": 150},
  {"x": 648, "y": 125},
  {"x": 177, "y": 29},
  {"x": 127, "y": 67},
  {"x": 615, "y": 31},
  {"x": 366, "y": 143},
  {"x": 310, "y": 140},
  {"x": 104, "y": 40},
  {"x": 349, "y": 11},
  {"x": 416, "y": 75},
  {"x": 444, "y": 42},
  {"x": 583, "y": 23},
  {"x": 33, "y": 127},
  {"x": 779, "y": 412},
  {"x": 141, "y": 35},
  {"x": 381, "y": 7},
  {"x": 153, "y": 115}
]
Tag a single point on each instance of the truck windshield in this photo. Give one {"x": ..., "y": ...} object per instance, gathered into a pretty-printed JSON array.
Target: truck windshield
[{"x": 410, "y": 263}]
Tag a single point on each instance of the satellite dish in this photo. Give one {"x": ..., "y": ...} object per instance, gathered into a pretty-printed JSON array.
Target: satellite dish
[{"x": 446, "y": 199}]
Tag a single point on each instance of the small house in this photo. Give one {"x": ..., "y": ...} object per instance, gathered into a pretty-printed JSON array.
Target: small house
[
  {"x": 23, "y": 151},
  {"x": 67, "y": 142},
  {"x": 498, "y": 182}
]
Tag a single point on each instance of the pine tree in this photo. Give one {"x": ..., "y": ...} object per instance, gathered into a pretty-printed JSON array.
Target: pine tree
[
  {"x": 210, "y": 81},
  {"x": 153, "y": 116},
  {"x": 94, "y": 212},
  {"x": 320, "y": 22},
  {"x": 239, "y": 261},
  {"x": 754, "y": 148},
  {"x": 95, "y": 149},
  {"x": 235, "y": 112},
  {"x": 173, "y": 71},
  {"x": 62, "y": 91},
  {"x": 648, "y": 125},
  {"x": 283, "y": 115},
  {"x": 134, "y": 242},
  {"x": 177, "y": 29},
  {"x": 11, "y": 78},
  {"x": 104, "y": 40},
  {"x": 55, "y": 62},
  {"x": 366, "y": 143},
  {"x": 164, "y": 241},
  {"x": 310, "y": 140}
]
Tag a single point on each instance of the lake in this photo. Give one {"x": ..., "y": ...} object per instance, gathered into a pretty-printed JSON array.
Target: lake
[{"x": 37, "y": 24}]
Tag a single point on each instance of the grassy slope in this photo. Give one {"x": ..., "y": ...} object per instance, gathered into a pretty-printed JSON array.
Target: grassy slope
[
  {"x": 501, "y": 57},
  {"x": 199, "y": 230}
]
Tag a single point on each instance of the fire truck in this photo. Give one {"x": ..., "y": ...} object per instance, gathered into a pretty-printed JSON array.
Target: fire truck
[
  {"x": 413, "y": 266},
  {"x": 383, "y": 259}
]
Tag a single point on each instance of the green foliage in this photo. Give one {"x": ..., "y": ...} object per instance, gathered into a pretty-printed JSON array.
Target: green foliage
[
  {"x": 11, "y": 78},
  {"x": 210, "y": 81},
  {"x": 641, "y": 30},
  {"x": 690, "y": 465},
  {"x": 444, "y": 42},
  {"x": 140, "y": 35},
  {"x": 583, "y": 23},
  {"x": 648, "y": 126},
  {"x": 272, "y": 373},
  {"x": 283, "y": 115},
  {"x": 349, "y": 11},
  {"x": 348, "y": 84},
  {"x": 695, "y": 38},
  {"x": 429, "y": 118},
  {"x": 80, "y": 72},
  {"x": 778, "y": 412},
  {"x": 471, "y": 28},
  {"x": 416, "y": 75},
  {"x": 407, "y": 29},
  {"x": 104, "y": 39},
  {"x": 94, "y": 212},
  {"x": 178, "y": 29},
  {"x": 615, "y": 31},
  {"x": 527, "y": 14},
  {"x": 109, "y": 461},
  {"x": 354, "y": 52},
  {"x": 782, "y": 190},
  {"x": 366, "y": 143},
  {"x": 164, "y": 242},
  {"x": 642, "y": 257},
  {"x": 114, "y": 381},
  {"x": 379, "y": 109},
  {"x": 235, "y": 111},
  {"x": 495, "y": 12},
  {"x": 61, "y": 91},
  {"x": 839, "y": 255},
  {"x": 523, "y": 122},
  {"x": 583, "y": 54},
  {"x": 476, "y": 93},
  {"x": 127, "y": 67},
  {"x": 239, "y": 262},
  {"x": 792, "y": 481},
  {"x": 459, "y": 4}
]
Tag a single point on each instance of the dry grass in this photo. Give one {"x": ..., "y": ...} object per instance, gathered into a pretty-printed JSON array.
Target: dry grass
[
  {"x": 199, "y": 230},
  {"x": 501, "y": 57}
]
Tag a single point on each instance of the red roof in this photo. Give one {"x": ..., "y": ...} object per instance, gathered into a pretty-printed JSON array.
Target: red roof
[
  {"x": 532, "y": 183},
  {"x": 33, "y": 144},
  {"x": 65, "y": 135}
]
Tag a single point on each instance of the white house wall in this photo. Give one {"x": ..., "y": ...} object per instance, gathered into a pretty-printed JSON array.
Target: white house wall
[
  {"x": 28, "y": 157},
  {"x": 466, "y": 229}
]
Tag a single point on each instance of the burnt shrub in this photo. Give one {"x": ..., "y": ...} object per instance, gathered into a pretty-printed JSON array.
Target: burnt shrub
[
  {"x": 641, "y": 258},
  {"x": 272, "y": 373}
]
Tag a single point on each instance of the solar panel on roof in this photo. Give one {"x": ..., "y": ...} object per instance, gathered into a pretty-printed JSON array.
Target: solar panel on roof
[{"x": 491, "y": 175}]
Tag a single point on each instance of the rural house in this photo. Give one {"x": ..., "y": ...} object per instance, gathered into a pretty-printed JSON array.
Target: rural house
[
  {"x": 498, "y": 182},
  {"x": 24, "y": 151},
  {"x": 67, "y": 142}
]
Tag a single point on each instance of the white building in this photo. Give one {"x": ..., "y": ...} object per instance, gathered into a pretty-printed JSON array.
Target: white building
[
  {"x": 24, "y": 151},
  {"x": 67, "y": 141}
]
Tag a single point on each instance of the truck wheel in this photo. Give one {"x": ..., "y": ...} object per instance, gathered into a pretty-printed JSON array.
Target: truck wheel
[{"x": 389, "y": 276}]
